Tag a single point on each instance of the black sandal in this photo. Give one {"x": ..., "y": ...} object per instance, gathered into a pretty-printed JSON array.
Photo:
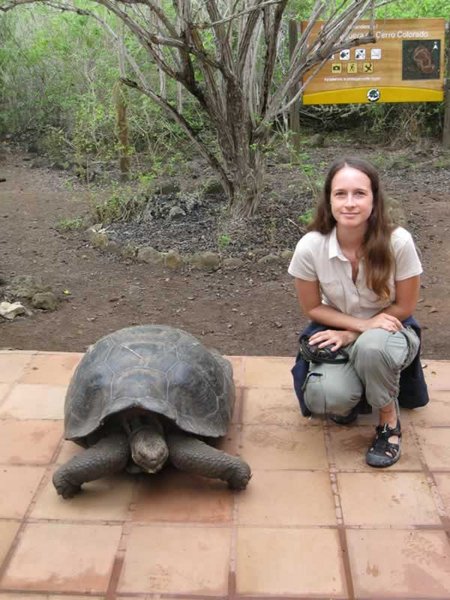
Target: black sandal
[{"x": 382, "y": 452}]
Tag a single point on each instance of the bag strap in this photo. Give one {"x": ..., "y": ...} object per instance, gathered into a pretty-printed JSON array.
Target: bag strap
[{"x": 321, "y": 355}]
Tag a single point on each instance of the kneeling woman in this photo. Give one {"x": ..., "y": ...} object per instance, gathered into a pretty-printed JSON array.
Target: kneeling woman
[{"x": 357, "y": 279}]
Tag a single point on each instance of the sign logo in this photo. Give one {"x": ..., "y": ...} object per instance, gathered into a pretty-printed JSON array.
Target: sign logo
[
  {"x": 336, "y": 68},
  {"x": 360, "y": 53},
  {"x": 368, "y": 67},
  {"x": 344, "y": 54},
  {"x": 352, "y": 67},
  {"x": 373, "y": 95}
]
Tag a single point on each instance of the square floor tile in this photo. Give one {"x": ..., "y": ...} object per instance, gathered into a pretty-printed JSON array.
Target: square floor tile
[
  {"x": 34, "y": 401},
  {"x": 399, "y": 564},
  {"x": 267, "y": 406},
  {"x": 18, "y": 485},
  {"x": 12, "y": 365},
  {"x": 443, "y": 486},
  {"x": 58, "y": 557},
  {"x": 435, "y": 444},
  {"x": 268, "y": 371},
  {"x": 49, "y": 597},
  {"x": 273, "y": 447},
  {"x": 4, "y": 389},
  {"x": 182, "y": 560},
  {"x": 106, "y": 499},
  {"x": 279, "y": 562},
  {"x": 28, "y": 442},
  {"x": 387, "y": 499},
  {"x": 436, "y": 412},
  {"x": 237, "y": 363},
  {"x": 349, "y": 447},
  {"x": 68, "y": 450},
  {"x": 155, "y": 597},
  {"x": 181, "y": 497},
  {"x": 236, "y": 417},
  {"x": 437, "y": 374},
  {"x": 54, "y": 369},
  {"x": 277, "y": 498},
  {"x": 8, "y": 530}
]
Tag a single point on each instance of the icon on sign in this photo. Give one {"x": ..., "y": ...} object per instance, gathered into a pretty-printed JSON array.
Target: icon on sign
[
  {"x": 373, "y": 95},
  {"x": 344, "y": 54},
  {"x": 360, "y": 53},
  {"x": 368, "y": 67},
  {"x": 375, "y": 53},
  {"x": 336, "y": 68},
  {"x": 352, "y": 67}
]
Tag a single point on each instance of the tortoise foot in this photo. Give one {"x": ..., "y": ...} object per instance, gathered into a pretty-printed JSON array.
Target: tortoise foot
[
  {"x": 240, "y": 478},
  {"x": 64, "y": 487}
]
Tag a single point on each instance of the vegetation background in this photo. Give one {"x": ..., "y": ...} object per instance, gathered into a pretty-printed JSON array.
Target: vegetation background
[
  {"x": 59, "y": 154},
  {"x": 60, "y": 91}
]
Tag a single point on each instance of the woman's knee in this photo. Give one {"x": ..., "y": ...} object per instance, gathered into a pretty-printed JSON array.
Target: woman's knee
[{"x": 379, "y": 347}]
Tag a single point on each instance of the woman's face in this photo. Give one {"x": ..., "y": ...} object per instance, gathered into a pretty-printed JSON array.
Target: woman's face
[{"x": 351, "y": 198}]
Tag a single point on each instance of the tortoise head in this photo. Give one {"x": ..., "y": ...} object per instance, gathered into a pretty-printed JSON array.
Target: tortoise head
[{"x": 148, "y": 445}]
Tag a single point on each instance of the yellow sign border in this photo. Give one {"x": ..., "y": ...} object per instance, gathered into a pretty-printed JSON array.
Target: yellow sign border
[{"x": 387, "y": 94}]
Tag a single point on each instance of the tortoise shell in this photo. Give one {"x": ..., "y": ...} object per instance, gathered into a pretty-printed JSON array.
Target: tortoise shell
[{"x": 155, "y": 368}]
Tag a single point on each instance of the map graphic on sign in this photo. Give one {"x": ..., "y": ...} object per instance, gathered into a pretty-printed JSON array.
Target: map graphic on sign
[{"x": 421, "y": 59}]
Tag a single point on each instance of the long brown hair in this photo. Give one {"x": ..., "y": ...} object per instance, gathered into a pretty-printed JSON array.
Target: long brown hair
[{"x": 377, "y": 249}]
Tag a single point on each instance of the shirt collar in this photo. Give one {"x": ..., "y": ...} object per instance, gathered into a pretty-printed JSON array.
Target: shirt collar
[{"x": 334, "y": 250}]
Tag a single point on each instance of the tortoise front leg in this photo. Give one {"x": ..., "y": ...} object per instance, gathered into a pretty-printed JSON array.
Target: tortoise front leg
[
  {"x": 109, "y": 455},
  {"x": 194, "y": 456}
]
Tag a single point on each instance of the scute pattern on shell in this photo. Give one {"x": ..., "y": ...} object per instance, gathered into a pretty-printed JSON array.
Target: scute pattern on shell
[{"x": 156, "y": 368}]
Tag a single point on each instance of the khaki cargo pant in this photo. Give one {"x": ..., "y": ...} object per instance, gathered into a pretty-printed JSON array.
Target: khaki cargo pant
[{"x": 376, "y": 359}]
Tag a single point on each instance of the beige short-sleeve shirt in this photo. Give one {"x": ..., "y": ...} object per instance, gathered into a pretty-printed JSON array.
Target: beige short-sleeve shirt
[{"x": 318, "y": 257}]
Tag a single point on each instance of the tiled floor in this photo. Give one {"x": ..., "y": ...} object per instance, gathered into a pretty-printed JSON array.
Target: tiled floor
[{"x": 315, "y": 522}]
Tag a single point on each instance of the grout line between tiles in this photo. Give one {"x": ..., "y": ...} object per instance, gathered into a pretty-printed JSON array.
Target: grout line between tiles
[
  {"x": 339, "y": 513},
  {"x": 23, "y": 523},
  {"x": 232, "y": 566},
  {"x": 9, "y": 389},
  {"x": 433, "y": 487},
  {"x": 119, "y": 559}
]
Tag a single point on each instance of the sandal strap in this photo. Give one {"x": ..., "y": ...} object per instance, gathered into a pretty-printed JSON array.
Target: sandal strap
[
  {"x": 384, "y": 453},
  {"x": 381, "y": 443},
  {"x": 385, "y": 432},
  {"x": 382, "y": 446}
]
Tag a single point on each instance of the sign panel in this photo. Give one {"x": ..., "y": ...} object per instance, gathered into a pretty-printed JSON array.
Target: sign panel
[{"x": 405, "y": 64}]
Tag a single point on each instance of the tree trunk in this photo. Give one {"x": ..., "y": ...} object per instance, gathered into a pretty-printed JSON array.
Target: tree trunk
[
  {"x": 122, "y": 127},
  {"x": 246, "y": 182}
]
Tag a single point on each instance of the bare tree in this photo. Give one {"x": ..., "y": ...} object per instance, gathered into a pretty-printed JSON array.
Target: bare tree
[{"x": 224, "y": 53}]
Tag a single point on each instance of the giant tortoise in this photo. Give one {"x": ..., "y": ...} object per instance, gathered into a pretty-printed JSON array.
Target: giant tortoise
[{"x": 143, "y": 396}]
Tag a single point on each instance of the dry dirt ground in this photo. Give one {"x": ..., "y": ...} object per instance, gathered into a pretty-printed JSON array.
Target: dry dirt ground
[{"x": 248, "y": 311}]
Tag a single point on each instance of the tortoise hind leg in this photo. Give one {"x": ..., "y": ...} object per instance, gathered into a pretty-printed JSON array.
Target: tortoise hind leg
[
  {"x": 109, "y": 455},
  {"x": 194, "y": 456}
]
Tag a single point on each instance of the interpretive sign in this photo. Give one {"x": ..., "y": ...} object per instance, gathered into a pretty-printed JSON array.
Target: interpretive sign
[{"x": 405, "y": 64}]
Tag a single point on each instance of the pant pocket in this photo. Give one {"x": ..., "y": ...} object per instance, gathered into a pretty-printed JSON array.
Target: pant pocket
[{"x": 314, "y": 393}]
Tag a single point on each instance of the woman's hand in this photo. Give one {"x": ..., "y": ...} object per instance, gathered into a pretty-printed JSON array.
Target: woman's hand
[
  {"x": 382, "y": 321},
  {"x": 331, "y": 337}
]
